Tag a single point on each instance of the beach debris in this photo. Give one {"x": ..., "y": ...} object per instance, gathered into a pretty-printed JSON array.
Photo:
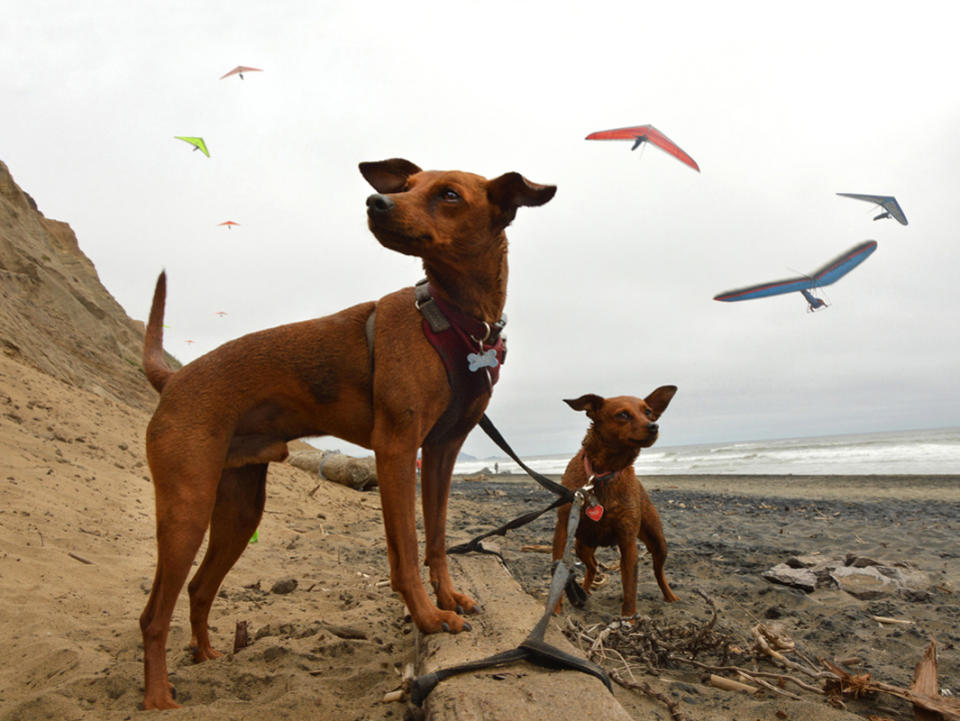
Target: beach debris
[
  {"x": 784, "y": 574},
  {"x": 728, "y": 684},
  {"x": 825, "y": 275},
  {"x": 886, "y": 619},
  {"x": 641, "y": 134},
  {"x": 76, "y": 557},
  {"x": 861, "y": 577},
  {"x": 241, "y": 637},
  {"x": 891, "y": 208},
  {"x": 673, "y": 705},
  {"x": 284, "y": 586},
  {"x": 346, "y": 632},
  {"x": 923, "y": 693},
  {"x": 642, "y": 645},
  {"x": 359, "y": 474},
  {"x": 537, "y": 548},
  {"x": 197, "y": 143},
  {"x": 402, "y": 693}
]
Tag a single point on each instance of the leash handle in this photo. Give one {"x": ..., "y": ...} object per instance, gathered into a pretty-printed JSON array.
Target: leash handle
[{"x": 491, "y": 430}]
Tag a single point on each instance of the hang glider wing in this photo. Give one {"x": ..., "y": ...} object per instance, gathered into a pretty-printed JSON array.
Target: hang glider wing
[
  {"x": 829, "y": 273},
  {"x": 240, "y": 70},
  {"x": 229, "y": 224},
  {"x": 763, "y": 290},
  {"x": 844, "y": 263},
  {"x": 889, "y": 204},
  {"x": 197, "y": 143},
  {"x": 646, "y": 134}
]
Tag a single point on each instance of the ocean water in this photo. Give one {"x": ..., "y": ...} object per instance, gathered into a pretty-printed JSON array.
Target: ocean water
[{"x": 927, "y": 452}]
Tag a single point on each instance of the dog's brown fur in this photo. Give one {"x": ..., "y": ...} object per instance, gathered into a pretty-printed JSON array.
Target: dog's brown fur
[
  {"x": 619, "y": 428},
  {"x": 221, "y": 419}
]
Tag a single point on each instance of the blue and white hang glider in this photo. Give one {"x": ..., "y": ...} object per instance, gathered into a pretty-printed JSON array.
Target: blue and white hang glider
[
  {"x": 891, "y": 208},
  {"x": 829, "y": 273}
]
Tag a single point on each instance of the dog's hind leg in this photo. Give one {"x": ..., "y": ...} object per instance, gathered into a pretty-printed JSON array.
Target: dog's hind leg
[
  {"x": 184, "y": 503},
  {"x": 438, "y": 462},
  {"x": 236, "y": 515}
]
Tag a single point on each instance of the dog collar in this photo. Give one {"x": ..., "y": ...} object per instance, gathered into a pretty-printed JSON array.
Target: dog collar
[{"x": 592, "y": 475}]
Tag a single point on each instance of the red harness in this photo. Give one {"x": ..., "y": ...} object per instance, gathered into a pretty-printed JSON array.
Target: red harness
[{"x": 472, "y": 352}]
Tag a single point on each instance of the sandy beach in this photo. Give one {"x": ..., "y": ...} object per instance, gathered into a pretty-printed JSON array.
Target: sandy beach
[{"x": 329, "y": 637}]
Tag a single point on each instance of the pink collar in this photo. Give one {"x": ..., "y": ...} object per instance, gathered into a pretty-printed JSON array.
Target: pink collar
[{"x": 593, "y": 475}]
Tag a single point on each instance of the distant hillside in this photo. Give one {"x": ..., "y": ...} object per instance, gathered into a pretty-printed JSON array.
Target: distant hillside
[{"x": 54, "y": 313}]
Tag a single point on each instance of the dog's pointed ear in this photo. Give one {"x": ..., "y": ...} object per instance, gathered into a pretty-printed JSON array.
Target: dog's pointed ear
[
  {"x": 511, "y": 190},
  {"x": 660, "y": 399},
  {"x": 590, "y": 403},
  {"x": 388, "y": 176}
]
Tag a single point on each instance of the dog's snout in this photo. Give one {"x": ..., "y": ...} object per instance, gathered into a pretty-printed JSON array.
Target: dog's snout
[
  {"x": 653, "y": 427},
  {"x": 380, "y": 203}
]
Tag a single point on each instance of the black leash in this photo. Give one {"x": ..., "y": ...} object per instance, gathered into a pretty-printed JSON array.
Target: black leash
[
  {"x": 533, "y": 648},
  {"x": 575, "y": 593},
  {"x": 555, "y": 488}
]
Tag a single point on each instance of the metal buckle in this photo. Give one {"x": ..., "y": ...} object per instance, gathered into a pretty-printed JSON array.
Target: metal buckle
[{"x": 481, "y": 341}]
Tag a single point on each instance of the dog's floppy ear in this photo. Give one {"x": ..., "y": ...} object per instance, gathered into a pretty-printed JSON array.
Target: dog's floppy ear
[
  {"x": 511, "y": 190},
  {"x": 388, "y": 176},
  {"x": 590, "y": 403},
  {"x": 660, "y": 398}
]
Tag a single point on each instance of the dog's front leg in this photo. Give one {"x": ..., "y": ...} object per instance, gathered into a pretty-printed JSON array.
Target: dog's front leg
[
  {"x": 397, "y": 479},
  {"x": 438, "y": 462}
]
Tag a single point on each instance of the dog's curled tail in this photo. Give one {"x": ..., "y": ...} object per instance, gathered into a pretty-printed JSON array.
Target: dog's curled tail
[{"x": 154, "y": 365}]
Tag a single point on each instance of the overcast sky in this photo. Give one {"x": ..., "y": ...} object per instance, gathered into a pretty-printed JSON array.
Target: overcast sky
[{"x": 611, "y": 283}]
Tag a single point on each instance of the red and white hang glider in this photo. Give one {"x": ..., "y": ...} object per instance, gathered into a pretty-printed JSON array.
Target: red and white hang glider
[{"x": 646, "y": 134}]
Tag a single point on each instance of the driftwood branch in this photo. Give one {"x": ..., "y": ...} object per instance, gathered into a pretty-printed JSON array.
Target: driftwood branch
[{"x": 923, "y": 693}]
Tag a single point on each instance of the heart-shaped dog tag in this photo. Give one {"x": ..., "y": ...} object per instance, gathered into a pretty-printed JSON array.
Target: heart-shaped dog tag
[{"x": 595, "y": 512}]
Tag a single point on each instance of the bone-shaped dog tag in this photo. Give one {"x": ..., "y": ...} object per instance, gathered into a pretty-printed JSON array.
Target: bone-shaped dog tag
[{"x": 476, "y": 361}]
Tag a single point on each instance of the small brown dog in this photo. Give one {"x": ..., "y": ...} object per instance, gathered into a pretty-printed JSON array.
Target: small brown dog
[
  {"x": 618, "y": 510},
  {"x": 373, "y": 380}
]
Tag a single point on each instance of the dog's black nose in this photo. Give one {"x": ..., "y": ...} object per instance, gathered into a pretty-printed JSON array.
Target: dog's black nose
[
  {"x": 380, "y": 203},
  {"x": 653, "y": 428}
]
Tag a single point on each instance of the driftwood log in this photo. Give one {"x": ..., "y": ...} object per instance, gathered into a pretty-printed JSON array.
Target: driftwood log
[
  {"x": 357, "y": 473},
  {"x": 520, "y": 691}
]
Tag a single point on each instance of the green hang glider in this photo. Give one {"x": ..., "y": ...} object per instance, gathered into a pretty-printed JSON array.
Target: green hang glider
[{"x": 197, "y": 143}]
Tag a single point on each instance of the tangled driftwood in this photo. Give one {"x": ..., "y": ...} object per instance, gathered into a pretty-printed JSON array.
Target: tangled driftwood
[{"x": 640, "y": 644}]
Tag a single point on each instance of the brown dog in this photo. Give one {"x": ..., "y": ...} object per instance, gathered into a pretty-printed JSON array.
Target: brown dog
[
  {"x": 621, "y": 510},
  {"x": 221, "y": 419}
]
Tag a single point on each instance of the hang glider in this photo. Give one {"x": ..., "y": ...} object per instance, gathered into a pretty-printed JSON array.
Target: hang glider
[
  {"x": 240, "y": 70},
  {"x": 891, "y": 208},
  {"x": 640, "y": 134},
  {"x": 229, "y": 224},
  {"x": 827, "y": 274},
  {"x": 197, "y": 143}
]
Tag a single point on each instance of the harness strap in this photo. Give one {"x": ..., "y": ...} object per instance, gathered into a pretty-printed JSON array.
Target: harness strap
[
  {"x": 429, "y": 309},
  {"x": 368, "y": 329}
]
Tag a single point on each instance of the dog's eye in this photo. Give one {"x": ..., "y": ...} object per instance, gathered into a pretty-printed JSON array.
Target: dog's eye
[
  {"x": 623, "y": 416},
  {"x": 450, "y": 195},
  {"x": 649, "y": 414}
]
